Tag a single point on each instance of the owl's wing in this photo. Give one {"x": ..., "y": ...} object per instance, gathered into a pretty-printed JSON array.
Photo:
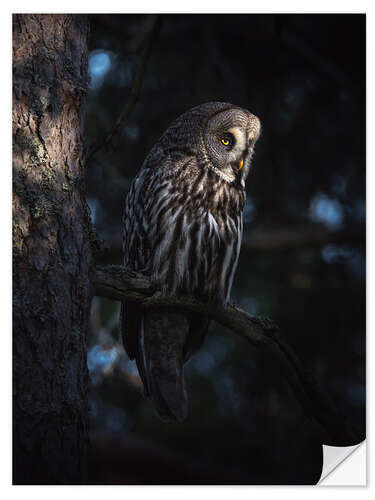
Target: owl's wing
[
  {"x": 160, "y": 340},
  {"x": 136, "y": 254},
  {"x": 154, "y": 338}
]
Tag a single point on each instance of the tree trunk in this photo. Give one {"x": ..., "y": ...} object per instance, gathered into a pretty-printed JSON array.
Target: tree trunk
[{"x": 51, "y": 250}]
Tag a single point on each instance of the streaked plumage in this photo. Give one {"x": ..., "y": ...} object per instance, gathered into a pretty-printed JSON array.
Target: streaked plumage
[{"x": 183, "y": 228}]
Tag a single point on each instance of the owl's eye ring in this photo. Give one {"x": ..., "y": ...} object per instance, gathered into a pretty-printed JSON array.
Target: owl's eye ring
[{"x": 227, "y": 141}]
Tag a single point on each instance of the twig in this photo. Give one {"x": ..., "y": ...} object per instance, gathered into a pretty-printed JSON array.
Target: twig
[
  {"x": 135, "y": 90},
  {"x": 117, "y": 283}
]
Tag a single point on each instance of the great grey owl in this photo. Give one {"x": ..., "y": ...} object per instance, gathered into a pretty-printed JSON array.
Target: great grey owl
[{"x": 183, "y": 229}]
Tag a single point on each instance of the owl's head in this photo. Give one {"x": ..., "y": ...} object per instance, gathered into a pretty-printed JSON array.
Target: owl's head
[
  {"x": 228, "y": 139},
  {"x": 221, "y": 137}
]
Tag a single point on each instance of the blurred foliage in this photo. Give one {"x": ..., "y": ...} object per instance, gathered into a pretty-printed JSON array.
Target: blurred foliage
[{"x": 304, "y": 76}]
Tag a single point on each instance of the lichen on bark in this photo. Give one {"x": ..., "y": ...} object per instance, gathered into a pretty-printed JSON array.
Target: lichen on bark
[{"x": 52, "y": 256}]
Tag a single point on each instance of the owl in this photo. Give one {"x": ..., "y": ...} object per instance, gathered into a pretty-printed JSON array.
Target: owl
[{"x": 183, "y": 229}]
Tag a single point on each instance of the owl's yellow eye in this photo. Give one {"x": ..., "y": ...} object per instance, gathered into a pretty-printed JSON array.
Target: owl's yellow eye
[{"x": 227, "y": 141}]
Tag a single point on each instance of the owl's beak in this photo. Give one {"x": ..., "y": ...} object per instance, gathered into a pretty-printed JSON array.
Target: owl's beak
[{"x": 240, "y": 164}]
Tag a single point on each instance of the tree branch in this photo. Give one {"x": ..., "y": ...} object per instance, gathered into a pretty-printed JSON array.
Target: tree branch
[
  {"x": 133, "y": 96},
  {"x": 117, "y": 283}
]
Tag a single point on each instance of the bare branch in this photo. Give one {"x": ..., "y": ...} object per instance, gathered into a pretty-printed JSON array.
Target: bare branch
[
  {"x": 135, "y": 90},
  {"x": 117, "y": 283}
]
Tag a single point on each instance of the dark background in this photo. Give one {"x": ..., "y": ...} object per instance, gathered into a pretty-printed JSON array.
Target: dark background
[{"x": 303, "y": 258}]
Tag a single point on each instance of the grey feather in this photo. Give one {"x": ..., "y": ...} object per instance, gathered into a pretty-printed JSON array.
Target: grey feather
[{"x": 183, "y": 229}]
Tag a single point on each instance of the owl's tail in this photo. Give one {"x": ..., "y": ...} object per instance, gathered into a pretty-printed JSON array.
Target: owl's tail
[
  {"x": 162, "y": 342},
  {"x": 159, "y": 352}
]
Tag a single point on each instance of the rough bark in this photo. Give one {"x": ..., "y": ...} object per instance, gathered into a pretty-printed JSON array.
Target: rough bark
[{"x": 51, "y": 250}]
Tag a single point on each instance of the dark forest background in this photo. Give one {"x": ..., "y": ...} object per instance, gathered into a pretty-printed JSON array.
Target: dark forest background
[{"x": 303, "y": 257}]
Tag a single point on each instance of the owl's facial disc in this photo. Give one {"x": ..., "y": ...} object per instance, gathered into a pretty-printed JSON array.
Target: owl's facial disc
[{"x": 229, "y": 141}]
